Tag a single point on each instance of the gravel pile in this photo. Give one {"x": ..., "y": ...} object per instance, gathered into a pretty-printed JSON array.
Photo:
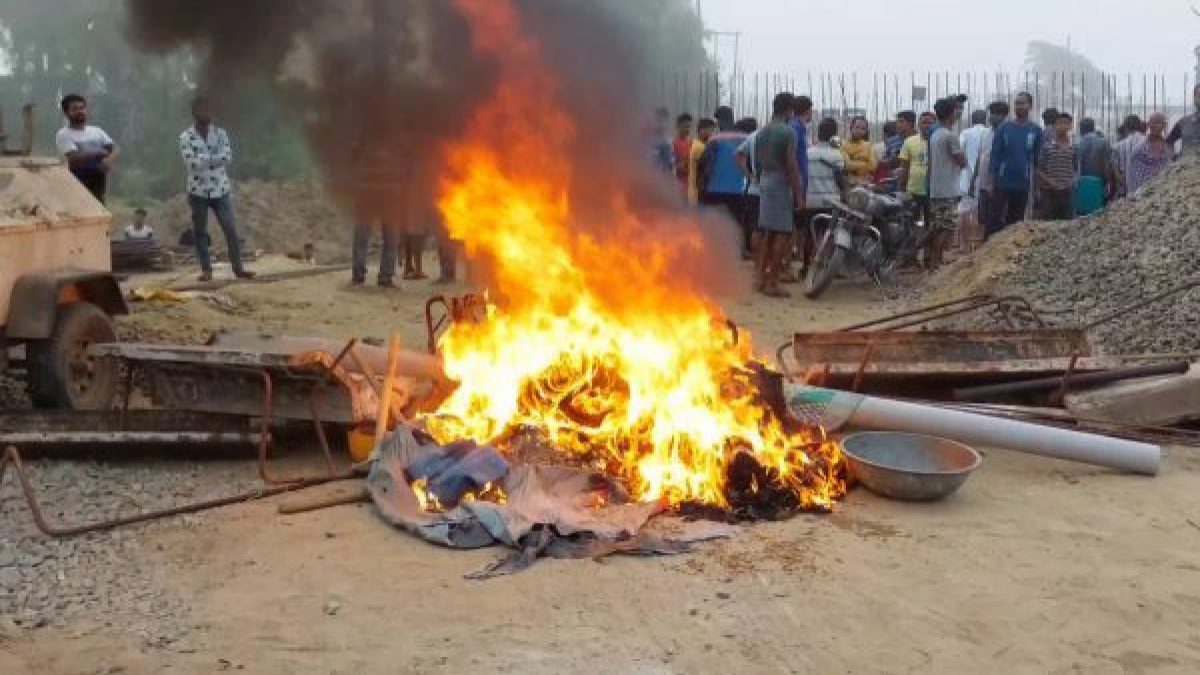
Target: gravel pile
[
  {"x": 1099, "y": 264},
  {"x": 100, "y": 579},
  {"x": 276, "y": 216}
]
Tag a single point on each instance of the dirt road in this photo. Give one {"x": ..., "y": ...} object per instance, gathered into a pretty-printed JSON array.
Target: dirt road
[{"x": 1036, "y": 566}]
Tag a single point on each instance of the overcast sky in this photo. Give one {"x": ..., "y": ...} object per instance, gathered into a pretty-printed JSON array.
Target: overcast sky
[{"x": 1154, "y": 36}]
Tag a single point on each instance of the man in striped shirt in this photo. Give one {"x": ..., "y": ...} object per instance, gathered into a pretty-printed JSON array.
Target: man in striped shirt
[{"x": 1058, "y": 167}]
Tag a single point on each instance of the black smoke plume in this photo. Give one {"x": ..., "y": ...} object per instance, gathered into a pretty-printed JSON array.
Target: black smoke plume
[{"x": 383, "y": 85}]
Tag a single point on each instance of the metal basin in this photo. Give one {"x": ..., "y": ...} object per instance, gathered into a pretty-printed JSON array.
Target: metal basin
[{"x": 911, "y": 467}]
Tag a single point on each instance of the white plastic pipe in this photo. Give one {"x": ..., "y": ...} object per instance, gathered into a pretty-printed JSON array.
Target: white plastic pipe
[{"x": 881, "y": 414}]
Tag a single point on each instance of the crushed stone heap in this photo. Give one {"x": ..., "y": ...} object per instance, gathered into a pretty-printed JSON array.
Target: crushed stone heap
[{"x": 1092, "y": 266}]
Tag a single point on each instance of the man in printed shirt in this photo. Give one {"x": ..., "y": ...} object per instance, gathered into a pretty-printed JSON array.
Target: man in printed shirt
[
  {"x": 206, "y": 154},
  {"x": 1133, "y": 132}
]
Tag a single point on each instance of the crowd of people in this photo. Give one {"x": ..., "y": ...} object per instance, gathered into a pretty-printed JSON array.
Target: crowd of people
[{"x": 966, "y": 182}]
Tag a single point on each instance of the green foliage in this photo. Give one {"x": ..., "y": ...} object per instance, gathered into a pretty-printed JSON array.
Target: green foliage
[{"x": 54, "y": 47}]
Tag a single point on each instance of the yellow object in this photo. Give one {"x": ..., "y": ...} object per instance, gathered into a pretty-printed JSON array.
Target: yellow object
[
  {"x": 915, "y": 151},
  {"x": 361, "y": 441},
  {"x": 383, "y": 418},
  {"x": 694, "y": 171},
  {"x": 860, "y": 160},
  {"x": 148, "y": 293}
]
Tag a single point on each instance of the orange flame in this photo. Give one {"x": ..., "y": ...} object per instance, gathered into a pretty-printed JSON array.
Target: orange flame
[{"x": 607, "y": 354}]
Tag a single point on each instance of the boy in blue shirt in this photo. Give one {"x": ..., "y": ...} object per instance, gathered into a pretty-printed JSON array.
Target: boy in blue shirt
[
  {"x": 721, "y": 181},
  {"x": 1015, "y": 149}
]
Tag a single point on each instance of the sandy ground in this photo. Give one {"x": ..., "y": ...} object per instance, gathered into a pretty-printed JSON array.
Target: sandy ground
[{"x": 1035, "y": 566}]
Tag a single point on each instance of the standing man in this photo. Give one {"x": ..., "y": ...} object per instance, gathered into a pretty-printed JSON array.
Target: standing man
[
  {"x": 801, "y": 121},
  {"x": 906, "y": 126},
  {"x": 89, "y": 151},
  {"x": 748, "y": 165},
  {"x": 1015, "y": 149},
  {"x": 781, "y": 192},
  {"x": 1187, "y": 130},
  {"x": 206, "y": 154},
  {"x": 946, "y": 164},
  {"x": 914, "y": 168},
  {"x": 724, "y": 117},
  {"x": 662, "y": 156},
  {"x": 1135, "y": 132},
  {"x": 721, "y": 181},
  {"x": 827, "y": 175},
  {"x": 377, "y": 205},
  {"x": 696, "y": 182},
  {"x": 681, "y": 147},
  {"x": 982, "y": 184},
  {"x": 1057, "y": 168},
  {"x": 1097, "y": 182},
  {"x": 973, "y": 141}
]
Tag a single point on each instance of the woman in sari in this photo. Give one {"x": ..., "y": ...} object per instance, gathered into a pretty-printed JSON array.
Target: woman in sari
[{"x": 1150, "y": 157}]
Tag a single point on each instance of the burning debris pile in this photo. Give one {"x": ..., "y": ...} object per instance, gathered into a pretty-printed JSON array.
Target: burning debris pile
[
  {"x": 618, "y": 361},
  {"x": 1100, "y": 264},
  {"x": 600, "y": 344}
]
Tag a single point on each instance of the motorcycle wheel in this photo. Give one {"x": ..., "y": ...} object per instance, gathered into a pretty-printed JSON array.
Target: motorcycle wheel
[{"x": 825, "y": 265}]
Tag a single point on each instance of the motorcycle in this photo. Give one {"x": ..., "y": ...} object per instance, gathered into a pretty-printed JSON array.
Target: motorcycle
[{"x": 872, "y": 231}]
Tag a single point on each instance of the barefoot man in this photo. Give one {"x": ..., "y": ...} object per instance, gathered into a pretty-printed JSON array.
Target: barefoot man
[{"x": 781, "y": 192}]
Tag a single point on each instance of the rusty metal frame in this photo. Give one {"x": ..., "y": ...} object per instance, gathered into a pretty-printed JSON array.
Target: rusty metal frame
[
  {"x": 12, "y": 457},
  {"x": 945, "y": 310},
  {"x": 455, "y": 309},
  {"x": 272, "y": 485}
]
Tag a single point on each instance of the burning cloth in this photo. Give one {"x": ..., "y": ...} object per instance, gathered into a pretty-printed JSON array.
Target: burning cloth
[{"x": 467, "y": 496}]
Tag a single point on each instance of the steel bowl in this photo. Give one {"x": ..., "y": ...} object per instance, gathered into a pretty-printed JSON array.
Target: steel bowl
[{"x": 910, "y": 467}]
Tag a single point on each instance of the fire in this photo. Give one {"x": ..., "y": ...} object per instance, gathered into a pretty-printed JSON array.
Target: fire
[{"x": 603, "y": 352}]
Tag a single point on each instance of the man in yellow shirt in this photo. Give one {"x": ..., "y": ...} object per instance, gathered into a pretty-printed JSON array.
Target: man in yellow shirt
[
  {"x": 914, "y": 167},
  {"x": 859, "y": 153},
  {"x": 704, "y": 131}
]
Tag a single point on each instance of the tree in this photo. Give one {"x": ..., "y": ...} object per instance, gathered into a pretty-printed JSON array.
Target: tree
[
  {"x": 54, "y": 47},
  {"x": 1063, "y": 75}
]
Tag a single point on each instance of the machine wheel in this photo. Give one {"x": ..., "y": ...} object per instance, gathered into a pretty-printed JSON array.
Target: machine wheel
[
  {"x": 826, "y": 263},
  {"x": 60, "y": 371}
]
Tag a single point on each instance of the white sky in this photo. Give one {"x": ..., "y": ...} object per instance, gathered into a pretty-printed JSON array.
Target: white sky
[{"x": 795, "y": 36}]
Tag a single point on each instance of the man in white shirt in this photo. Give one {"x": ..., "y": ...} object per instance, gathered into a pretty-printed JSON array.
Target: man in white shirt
[
  {"x": 138, "y": 230},
  {"x": 89, "y": 151},
  {"x": 826, "y": 178},
  {"x": 975, "y": 141},
  {"x": 206, "y": 154}
]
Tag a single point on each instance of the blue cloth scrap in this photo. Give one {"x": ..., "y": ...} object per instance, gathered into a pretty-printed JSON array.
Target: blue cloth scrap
[{"x": 454, "y": 470}]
